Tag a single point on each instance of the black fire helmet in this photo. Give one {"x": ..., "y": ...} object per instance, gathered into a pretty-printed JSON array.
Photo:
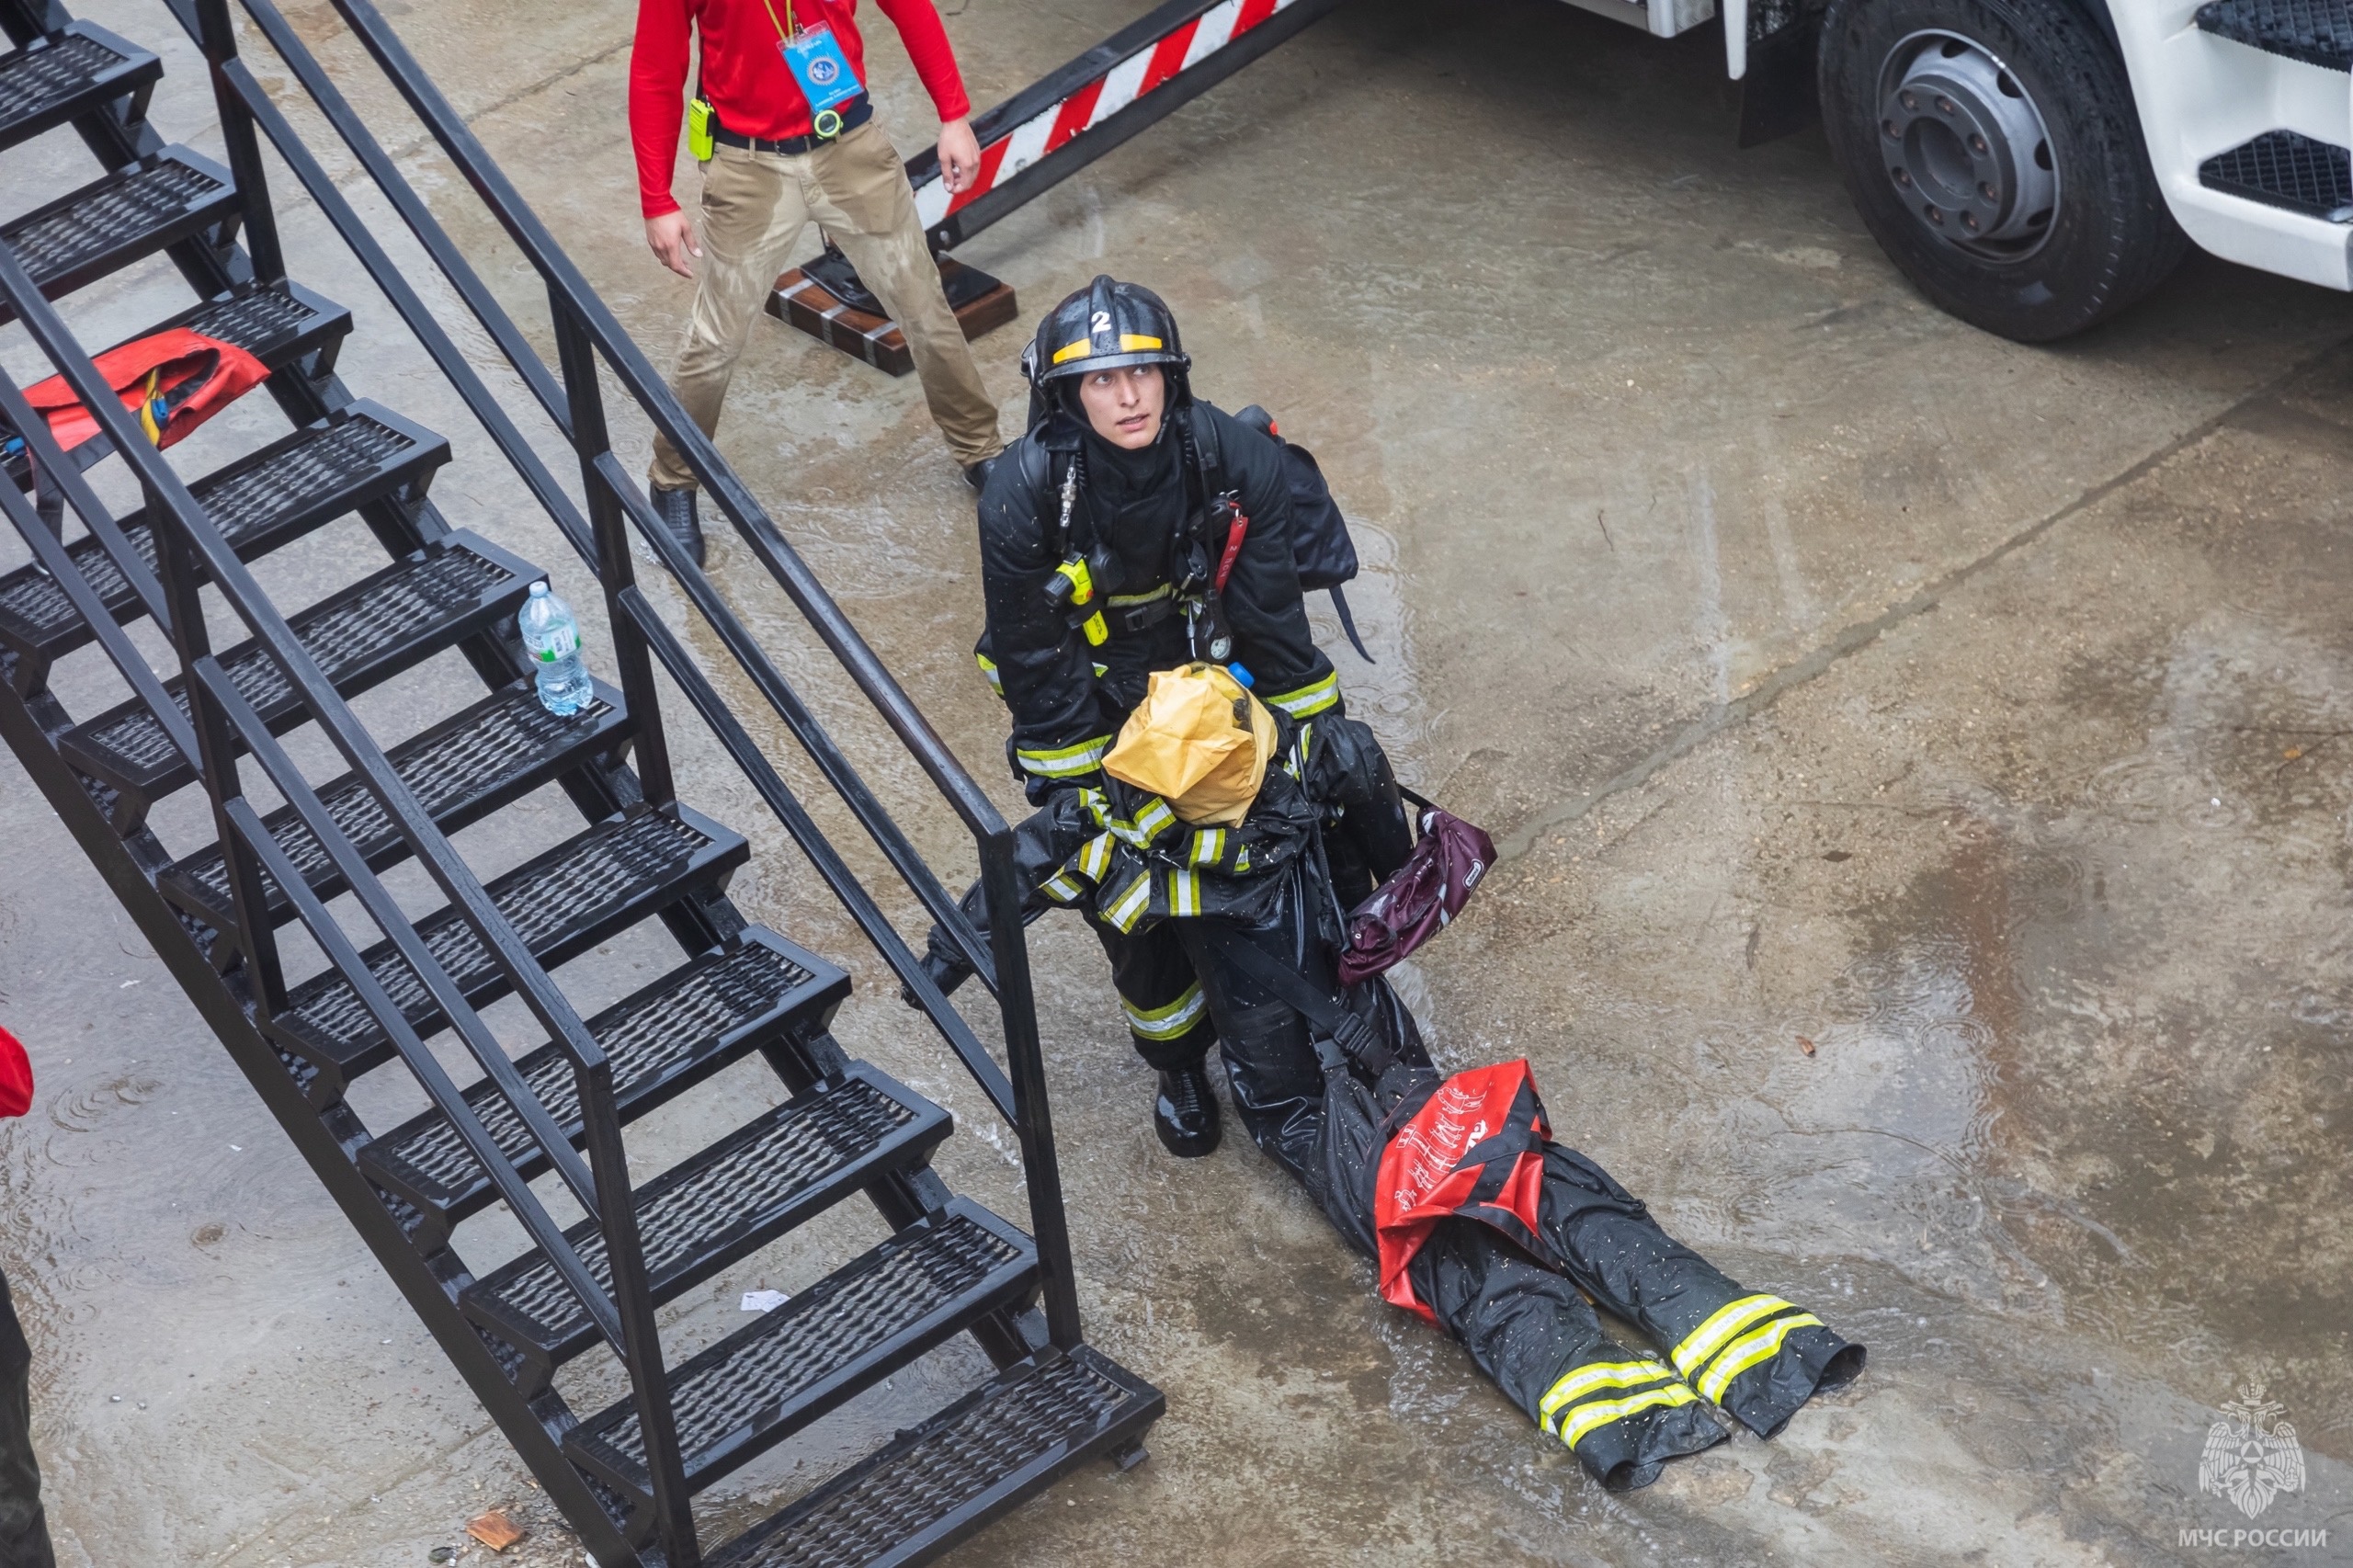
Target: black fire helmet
[{"x": 1101, "y": 327}]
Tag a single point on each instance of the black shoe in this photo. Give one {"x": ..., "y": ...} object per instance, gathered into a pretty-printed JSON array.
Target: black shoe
[
  {"x": 1185, "y": 1114},
  {"x": 977, "y": 474},
  {"x": 676, "y": 509}
]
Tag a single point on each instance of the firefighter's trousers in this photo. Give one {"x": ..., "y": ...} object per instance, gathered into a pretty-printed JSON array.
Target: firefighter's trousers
[{"x": 1527, "y": 1324}]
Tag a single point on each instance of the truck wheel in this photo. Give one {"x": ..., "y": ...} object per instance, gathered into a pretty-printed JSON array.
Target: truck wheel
[{"x": 1994, "y": 151}]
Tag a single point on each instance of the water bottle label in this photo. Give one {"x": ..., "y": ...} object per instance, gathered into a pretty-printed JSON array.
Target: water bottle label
[{"x": 561, "y": 643}]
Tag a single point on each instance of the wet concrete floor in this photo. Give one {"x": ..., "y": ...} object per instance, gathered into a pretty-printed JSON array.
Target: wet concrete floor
[{"x": 1918, "y": 761}]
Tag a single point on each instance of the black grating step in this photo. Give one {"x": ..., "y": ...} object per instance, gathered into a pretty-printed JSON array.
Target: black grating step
[
  {"x": 2318, "y": 33},
  {"x": 842, "y": 1335},
  {"x": 738, "y": 996},
  {"x": 264, "y": 499},
  {"x": 461, "y": 770},
  {"x": 2281, "y": 168},
  {"x": 631, "y": 865},
  {"x": 722, "y": 1204},
  {"x": 66, "y": 75},
  {"x": 932, "y": 1486},
  {"x": 367, "y": 633},
  {"x": 277, "y": 324},
  {"x": 137, "y": 210}
]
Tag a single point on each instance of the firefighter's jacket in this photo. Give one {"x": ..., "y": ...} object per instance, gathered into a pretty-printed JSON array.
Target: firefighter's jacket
[
  {"x": 1069, "y": 696},
  {"x": 1476, "y": 1218}
]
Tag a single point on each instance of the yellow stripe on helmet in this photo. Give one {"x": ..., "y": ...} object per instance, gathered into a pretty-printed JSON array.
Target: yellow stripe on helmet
[{"x": 1078, "y": 350}]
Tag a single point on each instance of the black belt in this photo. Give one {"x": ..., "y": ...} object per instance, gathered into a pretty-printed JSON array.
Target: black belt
[{"x": 860, "y": 111}]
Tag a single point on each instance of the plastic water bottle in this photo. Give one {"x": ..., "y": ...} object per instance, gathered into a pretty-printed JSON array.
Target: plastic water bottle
[{"x": 552, "y": 639}]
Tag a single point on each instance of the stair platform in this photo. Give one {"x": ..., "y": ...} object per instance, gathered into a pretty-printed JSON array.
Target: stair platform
[
  {"x": 936, "y": 1484},
  {"x": 727, "y": 1002},
  {"x": 722, "y": 1204},
  {"x": 140, "y": 208},
  {"x": 633, "y": 864},
  {"x": 68, "y": 74},
  {"x": 277, "y": 324},
  {"x": 263, "y": 500},
  {"x": 842, "y": 1335},
  {"x": 368, "y": 633},
  {"x": 2283, "y": 168},
  {"x": 461, "y": 770},
  {"x": 2318, "y": 33}
]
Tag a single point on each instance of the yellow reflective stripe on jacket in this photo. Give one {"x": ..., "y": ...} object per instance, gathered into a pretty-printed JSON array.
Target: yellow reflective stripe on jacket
[
  {"x": 1065, "y": 762},
  {"x": 1578, "y": 1382},
  {"x": 1169, "y": 1022},
  {"x": 1062, "y": 888},
  {"x": 1701, "y": 1344},
  {"x": 988, "y": 668},
  {"x": 1586, "y": 1419},
  {"x": 1150, "y": 822},
  {"x": 1095, "y": 856},
  {"x": 1209, "y": 846},
  {"x": 1746, "y": 1352},
  {"x": 1129, "y": 907},
  {"x": 1121, "y": 601},
  {"x": 1309, "y": 699},
  {"x": 1184, "y": 894}
]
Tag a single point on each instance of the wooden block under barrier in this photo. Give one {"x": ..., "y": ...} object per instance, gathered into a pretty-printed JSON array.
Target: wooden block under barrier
[{"x": 808, "y": 305}]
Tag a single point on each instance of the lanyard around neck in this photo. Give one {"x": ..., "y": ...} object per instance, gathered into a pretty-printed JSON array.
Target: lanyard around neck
[{"x": 786, "y": 30}]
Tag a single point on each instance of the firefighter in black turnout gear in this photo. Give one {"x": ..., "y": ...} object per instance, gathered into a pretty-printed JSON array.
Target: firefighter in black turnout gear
[
  {"x": 1133, "y": 528},
  {"x": 1478, "y": 1220}
]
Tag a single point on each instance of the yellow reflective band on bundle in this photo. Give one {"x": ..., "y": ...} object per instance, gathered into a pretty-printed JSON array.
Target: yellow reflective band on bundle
[
  {"x": 1241, "y": 861},
  {"x": 1095, "y": 856},
  {"x": 1184, "y": 894},
  {"x": 1701, "y": 1344},
  {"x": 1169, "y": 1022},
  {"x": 1744, "y": 1353},
  {"x": 1131, "y": 342},
  {"x": 1129, "y": 907},
  {"x": 1578, "y": 1382},
  {"x": 1586, "y": 1419},
  {"x": 1121, "y": 601},
  {"x": 1150, "y": 822},
  {"x": 1062, "y": 888},
  {"x": 1209, "y": 846},
  {"x": 1065, "y": 762},
  {"x": 1309, "y": 699},
  {"x": 988, "y": 668},
  {"x": 1078, "y": 350}
]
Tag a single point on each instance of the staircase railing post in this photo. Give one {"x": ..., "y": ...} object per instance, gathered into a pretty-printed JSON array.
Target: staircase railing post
[
  {"x": 1025, "y": 1060},
  {"x": 649, "y": 1378},
  {"x": 217, "y": 35},
  {"x": 255, "y": 935},
  {"x": 616, "y": 569}
]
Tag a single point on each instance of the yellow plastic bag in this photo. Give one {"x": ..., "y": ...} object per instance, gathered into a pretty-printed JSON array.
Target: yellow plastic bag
[{"x": 1198, "y": 741}]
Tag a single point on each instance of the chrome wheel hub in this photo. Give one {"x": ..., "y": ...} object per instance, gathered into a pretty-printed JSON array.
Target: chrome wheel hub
[{"x": 1966, "y": 147}]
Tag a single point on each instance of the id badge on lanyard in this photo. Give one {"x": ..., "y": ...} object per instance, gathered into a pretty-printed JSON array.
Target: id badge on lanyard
[{"x": 823, "y": 75}]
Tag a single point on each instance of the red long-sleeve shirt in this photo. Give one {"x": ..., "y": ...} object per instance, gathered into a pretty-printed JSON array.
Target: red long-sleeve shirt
[{"x": 744, "y": 75}]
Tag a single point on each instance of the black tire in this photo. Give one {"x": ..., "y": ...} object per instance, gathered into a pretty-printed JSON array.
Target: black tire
[{"x": 2108, "y": 239}]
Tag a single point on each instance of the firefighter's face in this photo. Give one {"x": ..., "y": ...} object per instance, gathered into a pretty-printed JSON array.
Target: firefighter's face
[{"x": 1124, "y": 405}]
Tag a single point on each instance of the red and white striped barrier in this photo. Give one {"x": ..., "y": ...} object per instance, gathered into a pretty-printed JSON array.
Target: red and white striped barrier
[{"x": 1093, "y": 102}]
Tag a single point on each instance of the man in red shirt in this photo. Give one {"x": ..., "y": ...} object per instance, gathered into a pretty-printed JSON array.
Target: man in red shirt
[{"x": 774, "y": 166}]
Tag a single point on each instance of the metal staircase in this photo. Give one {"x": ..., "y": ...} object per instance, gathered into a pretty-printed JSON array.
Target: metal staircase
[{"x": 209, "y": 720}]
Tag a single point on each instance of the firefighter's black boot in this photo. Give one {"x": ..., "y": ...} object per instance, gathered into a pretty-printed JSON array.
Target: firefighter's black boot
[{"x": 1185, "y": 1114}]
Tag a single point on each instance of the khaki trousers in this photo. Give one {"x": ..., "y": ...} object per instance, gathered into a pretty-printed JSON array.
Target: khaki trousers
[{"x": 753, "y": 207}]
